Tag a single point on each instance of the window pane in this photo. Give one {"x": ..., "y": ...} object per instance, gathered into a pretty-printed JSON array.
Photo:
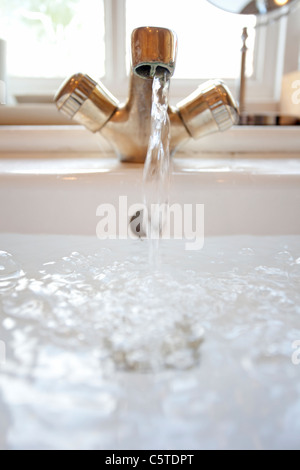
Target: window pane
[
  {"x": 53, "y": 38},
  {"x": 209, "y": 39}
]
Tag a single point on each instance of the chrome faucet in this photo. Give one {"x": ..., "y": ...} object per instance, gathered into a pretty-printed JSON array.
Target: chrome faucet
[{"x": 209, "y": 109}]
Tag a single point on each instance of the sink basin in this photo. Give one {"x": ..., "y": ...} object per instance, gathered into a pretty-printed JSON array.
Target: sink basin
[
  {"x": 104, "y": 350},
  {"x": 256, "y": 197}
]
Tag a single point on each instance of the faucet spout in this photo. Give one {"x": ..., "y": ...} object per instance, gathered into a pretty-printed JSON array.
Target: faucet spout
[
  {"x": 127, "y": 126},
  {"x": 154, "y": 52}
]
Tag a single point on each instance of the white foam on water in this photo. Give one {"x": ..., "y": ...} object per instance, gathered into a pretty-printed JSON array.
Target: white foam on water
[{"x": 103, "y": 351}]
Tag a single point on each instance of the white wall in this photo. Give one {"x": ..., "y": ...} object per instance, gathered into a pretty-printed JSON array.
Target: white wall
[{"x": 292, "y": 53}]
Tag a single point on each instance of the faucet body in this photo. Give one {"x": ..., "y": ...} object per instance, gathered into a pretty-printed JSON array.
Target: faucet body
[
  {"x": 128, "y": 130},
  {"x": 127, "y": 126}
]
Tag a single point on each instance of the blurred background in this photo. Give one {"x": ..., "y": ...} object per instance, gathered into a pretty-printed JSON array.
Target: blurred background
[{"x": 48, "y": 40}]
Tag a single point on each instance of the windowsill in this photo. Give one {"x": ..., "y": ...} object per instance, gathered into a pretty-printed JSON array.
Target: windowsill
[
  {"x": 38, "y": 140},
  {"x": 32, "y": 115},
  {"x": 43, "y": 111}
]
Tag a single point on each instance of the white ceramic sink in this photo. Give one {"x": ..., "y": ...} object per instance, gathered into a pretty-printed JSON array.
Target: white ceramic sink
[
  {"x": 104, "y": 351},
  {"x": 254, "y": 197}
]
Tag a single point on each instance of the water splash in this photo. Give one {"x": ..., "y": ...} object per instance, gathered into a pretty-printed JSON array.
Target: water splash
[
  {"x": 10, "y": 272},
  {"x": 96, "y": 341},
  {"x": 157, "y": 166}
]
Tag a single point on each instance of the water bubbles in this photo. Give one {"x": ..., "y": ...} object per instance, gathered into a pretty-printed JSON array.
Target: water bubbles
[
  {"x": 9, "y": 324},
  {"x": 247, "y": 252},
  {"x": 122, "y": 308},
  {"x": 107, "y": 342},
  {"x": 284, "y": 256},
  {"x": 10, "y": 272}
]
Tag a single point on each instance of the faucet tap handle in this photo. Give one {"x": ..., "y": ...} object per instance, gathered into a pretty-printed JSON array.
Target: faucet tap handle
[
  {"x": 210, "y": 108},
  {"x": 86, "y": 101}
]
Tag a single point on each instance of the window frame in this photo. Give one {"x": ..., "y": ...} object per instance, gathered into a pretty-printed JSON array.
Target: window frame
[{"x": 264, "y": 87}]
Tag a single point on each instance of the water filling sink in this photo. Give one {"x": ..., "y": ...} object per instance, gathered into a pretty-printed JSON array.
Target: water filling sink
[{"x": 102, "y": 350}]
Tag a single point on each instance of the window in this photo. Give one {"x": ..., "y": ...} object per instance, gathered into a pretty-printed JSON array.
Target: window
[{"x": 51, "y": 39}]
